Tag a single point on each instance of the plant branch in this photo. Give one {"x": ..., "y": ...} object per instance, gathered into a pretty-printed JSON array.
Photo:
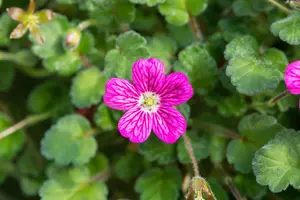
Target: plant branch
[
  {"x": 281, "y": 7},
  {"x": 196, "y": 29},
  {"x": 226, "y": 132},
  {"x": 233, "y": 189},
  {"x": 189, "y": 148},
  {"x": 278, "y": 98},
  {"x": 30, "y": 120}
]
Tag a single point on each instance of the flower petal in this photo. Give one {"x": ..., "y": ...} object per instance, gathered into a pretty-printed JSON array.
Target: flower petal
[
  {"x": 19, "y": 31},
  {"x": 292, "y": 77},
  {"x": 168, "y": 124},
  {"x": 37, "y": 34},
  {"x": 135, "y": 125},
  {"x": 176, "y": 90},
  {"x": 45, "y": 16},
  {"x": 120, "y": 94},
  {"x": 148, "y": 75},
  {"x": 31, "y": 7},
  {"x": 16, "y": 13}
]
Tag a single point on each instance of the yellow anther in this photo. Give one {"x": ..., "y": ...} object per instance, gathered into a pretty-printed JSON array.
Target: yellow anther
[{"x": 149, "y": 101}]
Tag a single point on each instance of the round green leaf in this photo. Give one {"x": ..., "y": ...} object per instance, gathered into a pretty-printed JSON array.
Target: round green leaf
[
  {"x": 200, "y": 67},
  {"x": 7, "y": 75},
  {"x": 159, "y": 184},
  {"x": 103, "y": 118},
  {"x": 287, "y": 28},
  {"x": 255, "y": 131},
  {"x": 74, "y": 147},
  {"x": 65, "y": 64},
  {"x": 73, "y": 184},
  {"x": 277, "y": 163},
  {"x": 88, "y": 87},
  {"x": 155, "y": 150},
  {"x": 128, "y": 166}
]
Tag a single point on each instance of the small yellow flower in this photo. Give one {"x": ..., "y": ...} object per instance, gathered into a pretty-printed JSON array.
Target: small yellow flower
[{"x": 29, "y": 20}]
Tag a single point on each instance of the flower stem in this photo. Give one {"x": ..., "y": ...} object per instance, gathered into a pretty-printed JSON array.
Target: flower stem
[
  {"x": 278, "y": 98},
  {"x": 196, "y": 29},
  {"x": 281, "y": 7},
  {"x": 85, "y": 24},
  {"x": 234, "y": 191},
  {"x": 30, "y": 120},
  {"x": 93, "y": 131},
  {"x": 189, "y": 148},
  {"x": 217, "y": 128},
  {"x": 100, "y": 176}
]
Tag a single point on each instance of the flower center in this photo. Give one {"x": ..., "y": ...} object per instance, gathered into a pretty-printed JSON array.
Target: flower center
[{"x": 149, "y": 102}]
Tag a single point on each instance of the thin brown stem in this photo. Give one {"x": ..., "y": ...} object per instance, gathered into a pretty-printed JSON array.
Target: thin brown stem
[
  {"x": 234, "y": 191},
  {"x": 85, "y": 61},
  {"x": 196, "y": 29},
  {"x": 278, "y": 98},
  {"x": 281, "y": 7},
  {"x": 188, "y": 146},
  {"x": 226, "y": 132},
  {"x": 101, "y": 176},
  {"x": 30, "y": 120}
]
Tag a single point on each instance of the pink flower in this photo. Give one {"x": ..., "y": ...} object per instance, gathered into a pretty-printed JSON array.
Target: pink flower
[
  {"x": 149, "y": 102},
  {"x": 292, "y": 77}
]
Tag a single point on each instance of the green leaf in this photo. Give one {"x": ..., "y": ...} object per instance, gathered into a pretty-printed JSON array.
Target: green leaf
[
  {"x": 177, "y": 12},
  {"x": 232, "y": 106},
  {"x": 247, "y": 185},
  {"x": 217, "y": 147},
  {"x": 252, "y": 74},
  {"x": 73, "y": 184},
  {"x": 53, "y": 43},
  {"x": 185, "y": 110},
  {"x": 218, "y": 191},
  {"x": 287, "y": 28},
  {"x": 277, "y": 163},
  {"x": 30, "y": 186},
  {"x": 99, "y": 164},
  {"x": 110, "y": 11},
  {"x": 183, "y": 35},
  {"x": 130, "y": 47},
  {"x": 65, "y": 64},
  {"x": 155, "y": 150},
  {"x": 7, "y": 75},
  {"x": 30, "y": 162},
  {"x": 88, "y": 87},
  {"x": 255, "y": 130},
  {"x": 199, "y": 66},
  {"x": 128, "y": 166},
  {"x": 12, "y": 144},
  {"x": 5, "y": 29},
  {"x": 49, "y": 96},
  {"x": 233, "y": 27},
  {"x": 200, "y": 148},
  {"x": 159, "y": 184},
  {"x": 148, "y": 2},
  {"x": 86, "y": 43},
  {"x": 75, "y": 146},
  {"x": 103, "y": 119},
  {"x": 276, "y": 58},
  {"x": 241, "y": 46},
  {"x": 162, "y": 48},
  {"x": 243, "y": 8}
]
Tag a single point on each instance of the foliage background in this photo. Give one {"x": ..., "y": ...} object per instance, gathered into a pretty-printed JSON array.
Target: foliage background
[{"x": 244, "y": 139}]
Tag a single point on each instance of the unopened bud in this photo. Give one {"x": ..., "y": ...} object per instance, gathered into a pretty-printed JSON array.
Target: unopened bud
[{"x": 73, "y": 38}]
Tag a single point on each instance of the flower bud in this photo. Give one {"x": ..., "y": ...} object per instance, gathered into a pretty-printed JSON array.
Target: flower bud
[
  {"x": 73, "y": 38},
  {"x": 292, "y": 77}
]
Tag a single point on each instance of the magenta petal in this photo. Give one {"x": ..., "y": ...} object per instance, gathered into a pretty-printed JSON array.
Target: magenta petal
[
  {"x": 168, "y": 124},
  {"x": 148, "y": 75},
  {"x": 292, "y": 77},
  {"x": 120, "y": 94},
  {"x": 135, "y": 125},
  {"x": 176, "y": 90}
]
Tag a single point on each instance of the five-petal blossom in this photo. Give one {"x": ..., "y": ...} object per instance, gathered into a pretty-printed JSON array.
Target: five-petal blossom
[
  {"x": 29, "y": 20},
  {"x": 292, "y": 77},
  {"x": 149, "y": 102}
]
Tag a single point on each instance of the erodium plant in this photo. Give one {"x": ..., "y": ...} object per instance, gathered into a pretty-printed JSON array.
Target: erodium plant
[{"x": 149, "y": 99}]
